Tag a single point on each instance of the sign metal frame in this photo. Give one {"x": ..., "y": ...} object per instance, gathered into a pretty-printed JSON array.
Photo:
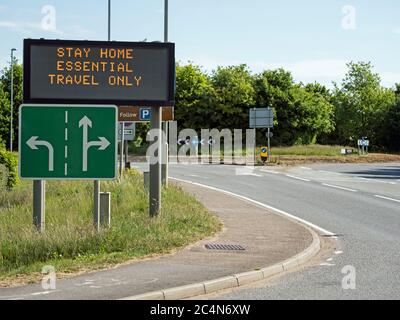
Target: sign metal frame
[{"x": 28, "y": 43}]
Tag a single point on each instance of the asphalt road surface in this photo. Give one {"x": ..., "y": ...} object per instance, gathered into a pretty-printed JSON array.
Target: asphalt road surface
[{"x": 358, "y": 203}]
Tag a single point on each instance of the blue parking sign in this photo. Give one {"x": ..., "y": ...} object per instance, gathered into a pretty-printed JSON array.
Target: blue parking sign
[{"x": 145, "y": 114}]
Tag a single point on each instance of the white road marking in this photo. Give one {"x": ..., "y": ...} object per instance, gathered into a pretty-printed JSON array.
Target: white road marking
[
  {"x": 337, "y": 187},
  {"x": 270, "y": 171},
  {"x": 66, "y": 134},
  {"x": 324, "y": 264},
  {"x": 297, "y": 178},
  {"x": 286, "y": 214},
  {"x": 66, "y": 152},
  {"x": 306, "y": 168},
  {"x": 338, "y": 252},
  {"x": 329, "y": 260},
  {"x": 66, "y": 169},
  {"x": 386, "y": 198},
  {"x": 330, "y": 172},
  {"x": 40, "y": 293},
  {"x": 374, "y": 180},
  {"x": 66, "y": 117}
]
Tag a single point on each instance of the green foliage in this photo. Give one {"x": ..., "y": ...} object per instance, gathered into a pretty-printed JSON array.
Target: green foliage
[
  {"x": 3, "y": 178},
  {"x": 302, "y": 112},
  {"x": 5, "y": 103},
  {"x": 361, "y": 103},
  {"x": 194, "y": 98},
  {"x": 389, "y": 133},
  {"x": 235, "y": 93},
  {"x": 10, "y": 162}
]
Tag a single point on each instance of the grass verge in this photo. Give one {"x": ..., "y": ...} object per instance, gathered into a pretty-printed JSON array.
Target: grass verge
[{"x": 70, "y": 243}]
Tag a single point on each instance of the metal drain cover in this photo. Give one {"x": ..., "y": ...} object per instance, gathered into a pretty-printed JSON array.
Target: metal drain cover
[{"x": 228, "y": 247}]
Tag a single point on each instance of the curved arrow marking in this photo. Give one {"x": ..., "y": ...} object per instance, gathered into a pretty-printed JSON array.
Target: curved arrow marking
[
  {"x": 33, "y": 143},
  {"x": 103, "y": 143}
]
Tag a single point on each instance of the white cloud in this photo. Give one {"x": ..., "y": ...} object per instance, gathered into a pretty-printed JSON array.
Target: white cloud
[
  {"x": 324, "y": 71},
  {"x": 312, "y": 70},
  {"x": 79, "y": 31},
  {"x": 26, "y": 27},
  {"x": 389, "y": 79},
  {"x": 8, "y": 24}
]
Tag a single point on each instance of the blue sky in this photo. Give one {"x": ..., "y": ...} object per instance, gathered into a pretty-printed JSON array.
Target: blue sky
[{"x": 312, "y": 38}]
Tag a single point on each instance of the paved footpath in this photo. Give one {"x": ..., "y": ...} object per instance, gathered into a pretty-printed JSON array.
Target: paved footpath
[{"x": 267, "y": 238}]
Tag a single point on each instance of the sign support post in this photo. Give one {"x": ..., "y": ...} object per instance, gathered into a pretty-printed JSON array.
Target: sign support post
[
  {"x": 155, "y": 165},
  {"x": 121, "y": 150},
  {"x": 96, "y": 207},
  {"x": 269, "y": 144},
  {"x": 269, "y": 139},
  {"x": 39, "y": 204}
]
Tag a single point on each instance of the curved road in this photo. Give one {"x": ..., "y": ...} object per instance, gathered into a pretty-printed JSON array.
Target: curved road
[{"x": 358, "y": 203}]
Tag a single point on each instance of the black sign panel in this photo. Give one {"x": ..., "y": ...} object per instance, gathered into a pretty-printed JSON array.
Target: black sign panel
[{"x": 93, "y": 72}]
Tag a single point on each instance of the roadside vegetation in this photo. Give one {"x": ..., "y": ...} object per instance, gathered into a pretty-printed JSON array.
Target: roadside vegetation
[{"x": 71, "y": 244}]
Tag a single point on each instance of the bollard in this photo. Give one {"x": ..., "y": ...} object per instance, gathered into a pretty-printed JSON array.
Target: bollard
[{"x": 105, "y": 209}]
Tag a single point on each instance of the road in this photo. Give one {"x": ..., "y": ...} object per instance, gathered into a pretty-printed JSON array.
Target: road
[{"x": 358, "y": 203}]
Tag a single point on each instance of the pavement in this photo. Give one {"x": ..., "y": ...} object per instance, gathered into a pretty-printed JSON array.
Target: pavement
[{"x": 268, "y": 240}]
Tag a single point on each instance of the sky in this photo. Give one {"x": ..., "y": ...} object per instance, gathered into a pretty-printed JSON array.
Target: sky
[{"x": 313, "y": 39}]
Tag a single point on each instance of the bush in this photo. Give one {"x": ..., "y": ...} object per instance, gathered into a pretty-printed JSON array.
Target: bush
[
  {"x": 9, "y": 160},
  {"x": 3, "y": 178}
]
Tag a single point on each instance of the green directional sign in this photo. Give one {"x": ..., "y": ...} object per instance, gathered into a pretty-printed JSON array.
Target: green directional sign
[{"x": 67, "y": 142}]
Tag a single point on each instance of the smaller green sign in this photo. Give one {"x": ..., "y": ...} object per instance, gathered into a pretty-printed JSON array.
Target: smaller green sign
[{"x": 68, "y": 142}]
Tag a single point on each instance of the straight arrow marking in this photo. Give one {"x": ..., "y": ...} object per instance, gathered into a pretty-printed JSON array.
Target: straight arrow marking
[{"x": 103, "y": 144}]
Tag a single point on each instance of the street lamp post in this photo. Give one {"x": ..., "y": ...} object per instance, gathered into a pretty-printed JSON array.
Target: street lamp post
[
  {"x": 12, "y": 98},
  {"x": 109, "y": 20}
]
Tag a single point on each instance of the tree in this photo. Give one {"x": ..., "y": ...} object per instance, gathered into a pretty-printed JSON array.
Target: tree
[
  {"x": 235, "y": 94},
  {"x": 194, "y": 97},
  {"x": 5, "y": 104},
  {"x": 360, "y": 103},
  {"x": 302, "y": 112}
]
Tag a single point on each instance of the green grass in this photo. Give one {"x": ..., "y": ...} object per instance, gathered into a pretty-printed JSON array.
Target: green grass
[
  {"x": 309, "y": 150},
  {"x": 70, "y": 242}
]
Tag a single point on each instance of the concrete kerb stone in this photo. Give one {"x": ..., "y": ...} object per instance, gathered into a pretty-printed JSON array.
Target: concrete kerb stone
[
  {"x": 183, "y": 292},
  {"x": 236, "y": 280},
  {"x": 155, "y": 295},
  {"x": 221, "y": 284}
]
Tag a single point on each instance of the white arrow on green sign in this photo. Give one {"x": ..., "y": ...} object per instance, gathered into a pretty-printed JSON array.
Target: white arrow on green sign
[{"x": 68, "y": 142}]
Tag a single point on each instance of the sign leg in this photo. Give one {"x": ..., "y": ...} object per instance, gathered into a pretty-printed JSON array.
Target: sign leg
[
  {"x": 121, "y": 156},
  {"x": 126, "y": 155},
  {"x": 96, "y": 207},
  {"x": 164, "y": 165},
  {"x": 269, "y": 144},
  {"x": 155, "y": 166},
  {"x": 39, "y": 204}
]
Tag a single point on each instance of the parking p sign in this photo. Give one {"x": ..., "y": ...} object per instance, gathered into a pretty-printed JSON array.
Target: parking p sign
[{"x": 145, "y": 114}]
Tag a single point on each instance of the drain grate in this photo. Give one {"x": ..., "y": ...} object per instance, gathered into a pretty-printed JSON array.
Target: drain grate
[{"x": 228, "y": 247}]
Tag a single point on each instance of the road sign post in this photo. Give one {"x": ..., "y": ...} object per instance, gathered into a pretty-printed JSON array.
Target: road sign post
[
  {"x": 121, "y": 152},
  {"x": 262, "y": 118},
  {"x": 155, "y": 165},
  {"x": 269, "y": 144},
  {"x": 39, "y": 203}
]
